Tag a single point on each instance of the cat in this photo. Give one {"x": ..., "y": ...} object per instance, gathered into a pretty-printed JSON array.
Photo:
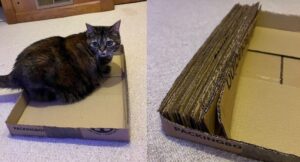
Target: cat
[{"x": 65, "y": 68}]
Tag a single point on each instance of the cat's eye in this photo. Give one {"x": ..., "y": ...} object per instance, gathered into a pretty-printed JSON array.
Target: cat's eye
[
  {"x": 94, "y": 44},
  {"x": 109, "y": 43}
]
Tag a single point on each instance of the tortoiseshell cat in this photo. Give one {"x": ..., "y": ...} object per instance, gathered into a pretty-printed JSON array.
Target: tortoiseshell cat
[{"x": 67, "y": 68}]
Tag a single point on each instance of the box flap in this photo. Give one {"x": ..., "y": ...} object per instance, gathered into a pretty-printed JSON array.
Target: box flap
[
  {"x": 278, "y": 21},
  {"x": 261, "y": 66},
  {"x": 15, "y": 114},
  {"x": 226, "y": 100},
  {"x": 275, "y": 41},
  {"x": 210, "y": 117}
]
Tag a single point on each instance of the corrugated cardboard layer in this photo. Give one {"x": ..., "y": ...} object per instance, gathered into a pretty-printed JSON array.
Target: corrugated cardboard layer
[
  {"x": 104, "y": 108},
  {"x": 226, "y": 100},
  {"x": 275, "y": 41},
  {"x": 210, "y": 117}
]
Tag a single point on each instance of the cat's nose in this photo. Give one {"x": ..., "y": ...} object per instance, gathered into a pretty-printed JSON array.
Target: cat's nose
[
  {"x": 103, "y": 53},
  {"x": 102, "y": 48}
]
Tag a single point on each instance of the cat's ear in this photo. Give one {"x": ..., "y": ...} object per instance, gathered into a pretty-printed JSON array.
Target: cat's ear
[
  {"x": 90, "y": 28},
  {"x": 116, "y": 26}
]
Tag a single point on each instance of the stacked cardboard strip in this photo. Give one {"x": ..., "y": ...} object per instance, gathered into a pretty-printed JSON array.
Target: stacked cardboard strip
[{"x": 199, "y": 84}]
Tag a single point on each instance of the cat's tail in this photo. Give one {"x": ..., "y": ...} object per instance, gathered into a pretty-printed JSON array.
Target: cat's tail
[{"x": 6, "y": 81}]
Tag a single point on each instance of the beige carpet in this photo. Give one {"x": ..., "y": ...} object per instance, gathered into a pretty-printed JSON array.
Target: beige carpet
[{"x": 14, "y": 38}]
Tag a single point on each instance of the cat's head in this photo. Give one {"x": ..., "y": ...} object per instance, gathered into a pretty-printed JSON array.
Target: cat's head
[{"x": 103, "y": 41}]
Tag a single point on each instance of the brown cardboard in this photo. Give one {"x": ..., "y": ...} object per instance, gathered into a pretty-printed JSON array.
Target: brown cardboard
[
  {"x": 101, "y": 115},
  {"x": 259, "y": 113},
  {"x": 275, "y": 41},
  {"x": 264, "y": 105},
  {"x": 237, "y": 147},
  {"x": 291, "y": 75},
  {"x": 264, "y": 67}
]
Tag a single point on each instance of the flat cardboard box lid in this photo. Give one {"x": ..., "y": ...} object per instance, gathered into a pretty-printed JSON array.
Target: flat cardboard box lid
[{"x": 106, "y": 107}]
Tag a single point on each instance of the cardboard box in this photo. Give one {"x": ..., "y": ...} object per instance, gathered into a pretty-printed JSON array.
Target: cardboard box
[
  {"x": 103, "y": 115},
  {"x": 259, "y": 113}
]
